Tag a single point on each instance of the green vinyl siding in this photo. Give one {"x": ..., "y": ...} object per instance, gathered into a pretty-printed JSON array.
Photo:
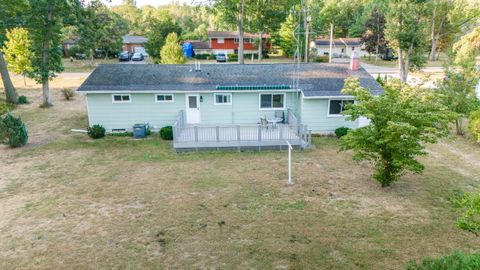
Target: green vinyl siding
[
  {"x": 244, "y": 109},
  {"x": 141, "y": 109},
  {"x": 314, "y": 114}
]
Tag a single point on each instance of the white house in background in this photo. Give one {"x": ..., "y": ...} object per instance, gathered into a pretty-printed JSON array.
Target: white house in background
[{"x": 342, "y": 47}]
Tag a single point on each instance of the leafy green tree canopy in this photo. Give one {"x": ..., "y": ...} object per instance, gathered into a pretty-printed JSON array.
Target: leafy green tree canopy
[
  {"x": 17, "y": 51},
  {"x": 158, "y": 30},
  {"x": 403, "y": 120}
]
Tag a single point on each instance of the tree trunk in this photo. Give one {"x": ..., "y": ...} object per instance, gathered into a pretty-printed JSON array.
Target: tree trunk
[
  {"x": 260, "y": 46},
  {"x": 46, "y": 102},
  {"x": 433, "y": 49},
  {"x": 433, "y": 35},
  {"x": 331, "y": 43},
  {"x": 10, "y": 92},
  {"x": 240, "y": 34},
  {"x": 401, "y": 66},
  {"x": 459, "y": 126}
]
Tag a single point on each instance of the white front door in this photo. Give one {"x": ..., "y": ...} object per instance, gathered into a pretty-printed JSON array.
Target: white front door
[{"x": 193, "y": 109}]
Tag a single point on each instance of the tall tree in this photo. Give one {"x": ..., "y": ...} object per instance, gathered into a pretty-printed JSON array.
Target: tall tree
[
  {"x": 232, "y": 12},
  {"x": 131, "y": 13},
  {"x": 403, "y": 120},
  {"x": 374, "y": 35},
  {"x": 45, "y": 25},
  {"x": 286, "y": 35},
  {"x": 12, "y": 14},
  {"x": 17, "y": 51},
  {"x": 406, "y": 32},
  {"x": 172, "y": 52},
  {"x": 99, "y": 28},
  {"x": 458, "y": 94},
  {"x": 266, "y": 16},
  {"x": 467, "y": 49},
  {"x": 448, "y": 18},
  {"x": 157, "y": 31}
]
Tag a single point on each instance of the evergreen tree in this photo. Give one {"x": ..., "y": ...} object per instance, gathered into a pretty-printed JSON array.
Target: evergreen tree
[
  {"x": 172, "y": 52},
  {"x": 286, "y": 36}
]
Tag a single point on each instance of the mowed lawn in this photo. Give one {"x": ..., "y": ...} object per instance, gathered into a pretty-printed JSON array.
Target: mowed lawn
[{"x": 69, "y": 202}]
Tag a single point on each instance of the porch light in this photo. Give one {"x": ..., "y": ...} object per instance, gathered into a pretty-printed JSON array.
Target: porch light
[{"x": 201, "y": 98}]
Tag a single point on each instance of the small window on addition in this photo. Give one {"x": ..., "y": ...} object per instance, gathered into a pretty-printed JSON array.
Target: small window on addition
[
  {"x": 223, "y": 99},
  {"x": 123, "y": 98},
  {"x": 337, "y": 106},
  {"x": 164, "y": 98}
]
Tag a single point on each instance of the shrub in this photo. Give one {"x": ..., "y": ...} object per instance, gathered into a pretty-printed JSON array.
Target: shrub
[
  {"x": 122, "y": 134},
  {"x": 469, "y": 207},
  {"x": 166, "y": 133},
  {"x": 68, "y": 93},
  {"x": 341, "y": 131},
  {"x": 455, "y": 261},
  {"x": 203, "y": 56},
  {"x": 22, "y": 100},
  {"x": 474, "y": 125},
  {"x": 5, "y": 107},
  {"x": 96, "y": 131},
  {"x": 232, "y": 57},
  {"x": 320, "y": 59},
  {"x": 13, "y": 131}
]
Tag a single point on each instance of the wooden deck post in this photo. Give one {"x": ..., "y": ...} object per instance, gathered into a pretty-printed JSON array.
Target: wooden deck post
[
  {"x": 195, "y": 128},
  {"x": 238, "y": 132},
  {"x": 259, "y": 133},
  {"x": 217, "y": 130}
]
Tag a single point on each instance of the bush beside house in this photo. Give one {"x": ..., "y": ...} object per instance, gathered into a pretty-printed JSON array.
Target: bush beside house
[
  {"x": 96, "y": 131},
  {"x": 166, "y": 133},
  {"x": 13, "y": 131}
]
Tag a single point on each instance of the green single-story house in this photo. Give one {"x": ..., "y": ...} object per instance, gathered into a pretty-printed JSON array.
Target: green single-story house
[{"x": 222, "y": 97}]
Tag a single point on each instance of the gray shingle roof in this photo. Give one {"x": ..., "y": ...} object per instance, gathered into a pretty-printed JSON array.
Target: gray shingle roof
[
  {"x": 233, "y": 34},
  {"x": 134, "y": 39},
  {"x": 338, "y": 42},
  {"x": 316, "y": 79}
]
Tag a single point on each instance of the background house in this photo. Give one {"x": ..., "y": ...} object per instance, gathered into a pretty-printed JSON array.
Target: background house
[
  {"x": 342, "y": 47},
  {"x": 227, "y": 42},
  {"x": 68, "y": 45},
  {"x": 134, "y": 44},
  {"x": 200, "y": 47}
]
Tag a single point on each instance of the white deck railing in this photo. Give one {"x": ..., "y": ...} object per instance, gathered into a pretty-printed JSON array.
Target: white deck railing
[{"x": 240, "y": 133}]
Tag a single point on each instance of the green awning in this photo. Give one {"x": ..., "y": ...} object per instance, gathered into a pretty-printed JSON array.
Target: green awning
[{"x": 254, "y": 87}]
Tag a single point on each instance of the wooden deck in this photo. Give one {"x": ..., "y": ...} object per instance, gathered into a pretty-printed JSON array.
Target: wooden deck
[{"x": 239, "y": 137}]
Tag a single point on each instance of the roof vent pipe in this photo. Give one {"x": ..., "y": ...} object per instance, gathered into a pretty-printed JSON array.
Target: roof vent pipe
[{"x": 355, "y": 61}]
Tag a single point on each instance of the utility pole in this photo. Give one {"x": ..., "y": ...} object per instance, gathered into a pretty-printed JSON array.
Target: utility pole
[
  {"x": 331, "y": 43},
  {"x": 305, "y": 27}
]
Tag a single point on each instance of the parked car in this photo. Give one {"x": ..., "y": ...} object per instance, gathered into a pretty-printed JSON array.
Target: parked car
[
  {"x": 221, "y": 57},
  {"x": 145, "y": 54},
  {"x": 80, "y": 56},
  {"x": 137, "y": 57},
  {"x": 124, "y": 56}
]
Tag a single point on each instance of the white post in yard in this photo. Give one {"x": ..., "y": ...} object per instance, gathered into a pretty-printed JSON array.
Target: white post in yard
[{"x": 289, "y": 163}]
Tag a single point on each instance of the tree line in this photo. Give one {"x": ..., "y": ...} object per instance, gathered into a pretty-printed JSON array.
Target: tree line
[{"x": 416, "y": 29}]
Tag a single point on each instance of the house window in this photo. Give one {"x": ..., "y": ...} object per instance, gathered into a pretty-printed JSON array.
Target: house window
[
  {"x": 223, "y": 99},
  {"x": 245, "y": 40},
  {"x": 220, "y": 40},
  {"x": 272, "y": 101},
  {"x": 124, "y": 98},
  {"x": 337, "y": 106},
  {"x": 164, "y": 98}
]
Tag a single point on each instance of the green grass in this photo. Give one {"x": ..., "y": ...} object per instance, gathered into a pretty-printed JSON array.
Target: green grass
[{"x": 72, "y": 202}]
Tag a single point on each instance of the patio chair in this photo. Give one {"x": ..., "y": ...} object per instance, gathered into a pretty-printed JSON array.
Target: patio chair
[
  {"x": 280, "y": 114},
  {"x": 264, "y": 123}
]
